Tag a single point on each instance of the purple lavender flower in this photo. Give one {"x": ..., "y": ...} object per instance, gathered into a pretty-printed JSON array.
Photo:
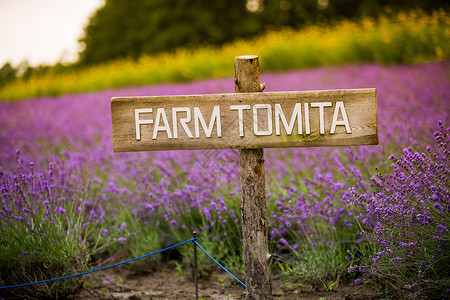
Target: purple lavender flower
[
  {"x": 122, "y": 227},
  {"x": 305, "y": 187},
  {"x": 409, "y": 217}
]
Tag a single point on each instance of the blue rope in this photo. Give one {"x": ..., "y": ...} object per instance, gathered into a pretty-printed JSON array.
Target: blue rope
[
  {"x": 118, "y": 264},
  {"x": 195, "y": 241}
]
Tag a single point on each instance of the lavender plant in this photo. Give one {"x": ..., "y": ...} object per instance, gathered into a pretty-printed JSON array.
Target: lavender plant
[
  {"x": 49, "y": 228},
  {"x": 408, "y": 219},
  {"x": 310, "y": 228},
  {"x": 151, "y": 200}
]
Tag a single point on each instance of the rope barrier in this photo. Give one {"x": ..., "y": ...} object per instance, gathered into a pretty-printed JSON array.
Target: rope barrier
[
  {"x": 127, "y": 261},
  {"x": 195, "y": 241},
  {"x": 115, "y": 265}
]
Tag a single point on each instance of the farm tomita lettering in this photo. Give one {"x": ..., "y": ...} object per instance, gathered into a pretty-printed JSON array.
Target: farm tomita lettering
[
  {"x": 265, "y": 117},
  {"x": 245, "y": 120}
]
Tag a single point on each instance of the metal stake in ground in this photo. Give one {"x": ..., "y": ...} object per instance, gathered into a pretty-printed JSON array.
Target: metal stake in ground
[
  {"x": 195, "y": 266},
  {"x": 253, "y": 205}
]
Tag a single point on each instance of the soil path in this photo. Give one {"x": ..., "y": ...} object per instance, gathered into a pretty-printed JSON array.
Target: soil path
[{"x": 123, "y": 284}]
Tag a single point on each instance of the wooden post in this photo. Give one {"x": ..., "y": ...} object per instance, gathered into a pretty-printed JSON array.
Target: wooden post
[
  {"x": 253, "y": 204},
  {"x": 331, "y": 118}
]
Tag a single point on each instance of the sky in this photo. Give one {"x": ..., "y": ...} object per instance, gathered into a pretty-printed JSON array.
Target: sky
[{"x": 43, "y": 31}]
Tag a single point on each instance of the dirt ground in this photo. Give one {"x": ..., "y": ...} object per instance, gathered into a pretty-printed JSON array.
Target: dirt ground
[{"x": 121, "y": 284}]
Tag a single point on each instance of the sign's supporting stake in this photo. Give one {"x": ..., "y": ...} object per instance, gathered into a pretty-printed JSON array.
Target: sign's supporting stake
[
  {"x": 194, "y": 233},
  {"x": 253, "y": 205}
]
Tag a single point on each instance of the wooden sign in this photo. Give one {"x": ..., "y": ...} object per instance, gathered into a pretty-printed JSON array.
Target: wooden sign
[
  {"x": 250, "y": 121},
  {"x": 245, "y": 120}
]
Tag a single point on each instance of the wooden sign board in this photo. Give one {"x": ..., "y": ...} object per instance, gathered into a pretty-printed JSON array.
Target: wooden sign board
[{"x": 245, "y": 120}]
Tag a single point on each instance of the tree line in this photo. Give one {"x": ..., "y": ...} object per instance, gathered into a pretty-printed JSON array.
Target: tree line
[
  {"x": 129, "y": 29},
  {"x": 123, "y": 29}
]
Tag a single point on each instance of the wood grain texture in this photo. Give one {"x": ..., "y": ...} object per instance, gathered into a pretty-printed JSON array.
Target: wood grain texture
[
  {"x": 253, "y": 205},
  {"x": 360, "y": 106}
]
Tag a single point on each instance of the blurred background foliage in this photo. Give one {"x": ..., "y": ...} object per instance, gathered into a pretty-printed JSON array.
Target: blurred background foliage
[
  {"x": 123, "y": 29},
  {"x": 140, "y": 42}
]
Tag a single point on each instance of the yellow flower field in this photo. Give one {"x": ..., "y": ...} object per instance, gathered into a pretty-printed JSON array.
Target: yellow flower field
[{"x": 408, "y": 37}]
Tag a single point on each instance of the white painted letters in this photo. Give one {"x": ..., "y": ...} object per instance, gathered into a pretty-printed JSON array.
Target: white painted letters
[
  {"x": 138, "y": 121},
  {"x": 261, "y": 117},
  {"x": 245, "y": 120},
  {"x": 340, "y": 106},
  {"x": 256, "y": 130},
  {"x": 215, "y": 117},
  {"x": 321, "y": 105},
  {"x": 240, "y": 108},
  {"x": 161, "y": 112},
  {"x": 183, "y": 121},
  {"x": 296, "y": 114},
  {"x": 307, "y": 125}
]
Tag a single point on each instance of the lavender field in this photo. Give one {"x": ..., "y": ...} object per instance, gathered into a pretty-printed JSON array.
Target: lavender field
[{"x": 69, "y": 201}]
